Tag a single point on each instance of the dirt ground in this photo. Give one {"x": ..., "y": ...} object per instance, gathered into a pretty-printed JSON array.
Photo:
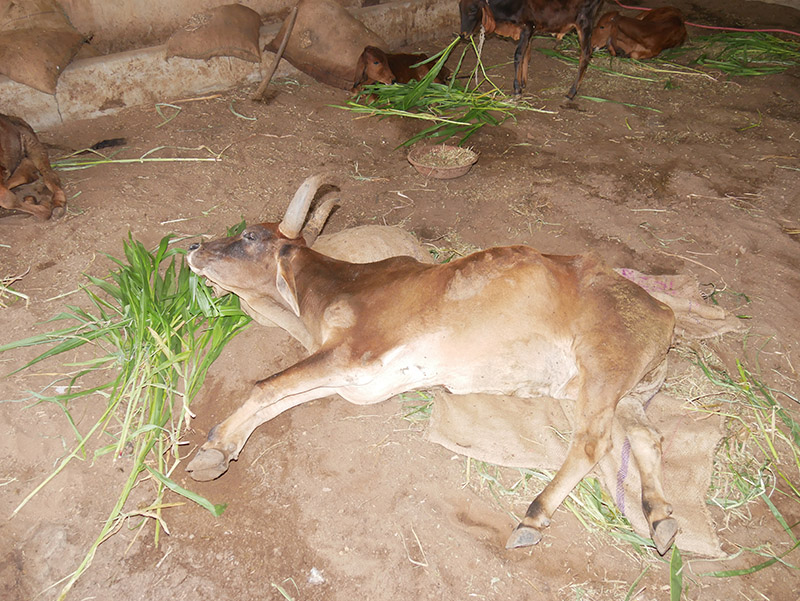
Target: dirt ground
[{"x": 706, "y": 185}]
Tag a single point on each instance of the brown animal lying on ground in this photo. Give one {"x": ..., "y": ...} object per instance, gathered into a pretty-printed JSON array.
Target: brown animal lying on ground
[
  {"x": 22, "y": 155},
  {"x": 506, "y": 320},
  {"x": 376, "y": 66},
  {"x": 645, "y": 36}
]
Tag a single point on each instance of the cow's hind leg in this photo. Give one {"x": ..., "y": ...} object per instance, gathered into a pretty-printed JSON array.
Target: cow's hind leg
[
  {"x": 646, "y": 448},
  {"x": 590, "y": 442}
]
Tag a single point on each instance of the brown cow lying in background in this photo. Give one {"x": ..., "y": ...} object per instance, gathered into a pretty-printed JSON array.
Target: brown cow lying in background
[
  {"x": 506, "y": 320},
  {"x": 376, "y": 66},
  {"x": 643, "y": 37},
  {"x": 22, "y": 155}
]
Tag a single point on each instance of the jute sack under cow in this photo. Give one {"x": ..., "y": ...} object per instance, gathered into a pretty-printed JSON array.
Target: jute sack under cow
[
  {"x": 534, "y": 433},
  {"x": 326, "y": 42}
]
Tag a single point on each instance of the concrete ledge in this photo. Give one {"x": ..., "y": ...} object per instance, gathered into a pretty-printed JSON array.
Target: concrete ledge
[{"x": 94, "y": 87}]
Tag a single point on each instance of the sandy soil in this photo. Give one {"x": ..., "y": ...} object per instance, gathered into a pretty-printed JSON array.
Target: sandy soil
[{"x": 708, "y": 185}]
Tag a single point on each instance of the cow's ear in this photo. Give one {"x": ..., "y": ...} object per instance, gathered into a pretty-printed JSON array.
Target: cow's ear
[
  {"x": 488, "y": 20},
  {"x": 284, "y": 282}
]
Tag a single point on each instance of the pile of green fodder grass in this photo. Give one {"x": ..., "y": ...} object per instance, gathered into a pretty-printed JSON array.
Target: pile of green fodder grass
[
  {"x": 156, "y": 330},
  {"x": 454, "y": 109},
  {"x": 746, "y": 54},
  {"x": 738, "y": 54}
]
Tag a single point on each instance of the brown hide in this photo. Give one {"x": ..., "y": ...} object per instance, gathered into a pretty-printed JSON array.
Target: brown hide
[
  {"x": 23, "y": 159},
  {"x": 508, "y": 320},
  {"x": 646, "y": 36}
]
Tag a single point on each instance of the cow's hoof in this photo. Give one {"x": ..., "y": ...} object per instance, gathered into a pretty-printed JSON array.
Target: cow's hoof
[
  {"x": 664, "y": 533},
  {"x": 58, "y": 212},
  {"x": 207, "y": 465},
  {"x": 523, "y": 536}
]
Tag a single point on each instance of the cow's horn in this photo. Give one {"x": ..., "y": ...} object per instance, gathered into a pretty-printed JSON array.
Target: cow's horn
[
  {"x": 319, "y": 216},
  {"x": 298, "y": 209}
]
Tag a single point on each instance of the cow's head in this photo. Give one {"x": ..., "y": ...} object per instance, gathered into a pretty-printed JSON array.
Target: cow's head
[
  {"x": 373, "y": 66},
  {"x": 257, "y": 261}
]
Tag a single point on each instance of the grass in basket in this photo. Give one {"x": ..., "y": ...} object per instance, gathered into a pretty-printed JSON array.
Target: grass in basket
[
  {"x": 455, "y": 110},
  {"x": 156, "y": 330}
]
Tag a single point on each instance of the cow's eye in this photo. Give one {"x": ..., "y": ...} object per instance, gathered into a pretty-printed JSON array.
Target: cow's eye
[{"x": 248, "y": 235}]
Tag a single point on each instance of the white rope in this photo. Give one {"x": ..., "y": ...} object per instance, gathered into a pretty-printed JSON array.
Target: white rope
[{"x": 481, "y": 39}]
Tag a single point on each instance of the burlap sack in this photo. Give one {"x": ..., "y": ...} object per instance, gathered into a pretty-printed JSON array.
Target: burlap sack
[
  {"x": 229, "y": 30},
  {"x": 534, "y": 433},
  {"x": 37, "y": 42},
  {"x": 326, "y": 42}
]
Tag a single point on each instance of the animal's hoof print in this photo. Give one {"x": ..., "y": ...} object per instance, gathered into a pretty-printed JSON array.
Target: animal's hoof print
[
  {"x": 207, "y": 465},
  {"x": 523, "y": 536},
  {"x": 664, "y": 533}
]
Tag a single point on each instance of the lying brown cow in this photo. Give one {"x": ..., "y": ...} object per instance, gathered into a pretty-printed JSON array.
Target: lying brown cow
[
  {"x": 506, "y": 320},
  {"x": 645, "y": 36},
  {"x": 376, "y": 66},
  {"x": 22, "y": 155}
]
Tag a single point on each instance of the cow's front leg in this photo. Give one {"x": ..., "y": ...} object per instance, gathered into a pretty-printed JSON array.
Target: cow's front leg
[
  {"x": 313, "y": 378},
  {"x": 226, "y": 439}
]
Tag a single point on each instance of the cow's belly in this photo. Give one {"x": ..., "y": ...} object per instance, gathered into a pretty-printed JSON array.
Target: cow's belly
[{"x": 526, "y": 369}]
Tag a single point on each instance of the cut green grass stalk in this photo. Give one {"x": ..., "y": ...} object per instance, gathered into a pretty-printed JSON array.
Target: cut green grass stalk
[
  {"x": 77, "y": 160},
  {"x": 157, "y": 329},
  {"x": 675, "y": 575}
]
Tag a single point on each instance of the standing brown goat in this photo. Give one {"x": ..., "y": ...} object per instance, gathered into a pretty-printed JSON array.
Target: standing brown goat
[{"x": 518, "y": 19}]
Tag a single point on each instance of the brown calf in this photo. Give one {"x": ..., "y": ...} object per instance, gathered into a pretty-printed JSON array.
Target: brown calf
[
  {"x": 643, "y": 37},
  {"x": 22, "y": 155},
  {"x": 505, "y": 321},
  {"x": 376, "y": 66}
]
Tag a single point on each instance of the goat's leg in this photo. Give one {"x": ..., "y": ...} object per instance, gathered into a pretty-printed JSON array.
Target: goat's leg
[
  {"x": 584, "y": 28},
  {"x": 590, "y": 442},
  {"x": 525, "y": 62},
  {"x": 313, "y": 378},
  {"x": 521, "y": 58}
]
